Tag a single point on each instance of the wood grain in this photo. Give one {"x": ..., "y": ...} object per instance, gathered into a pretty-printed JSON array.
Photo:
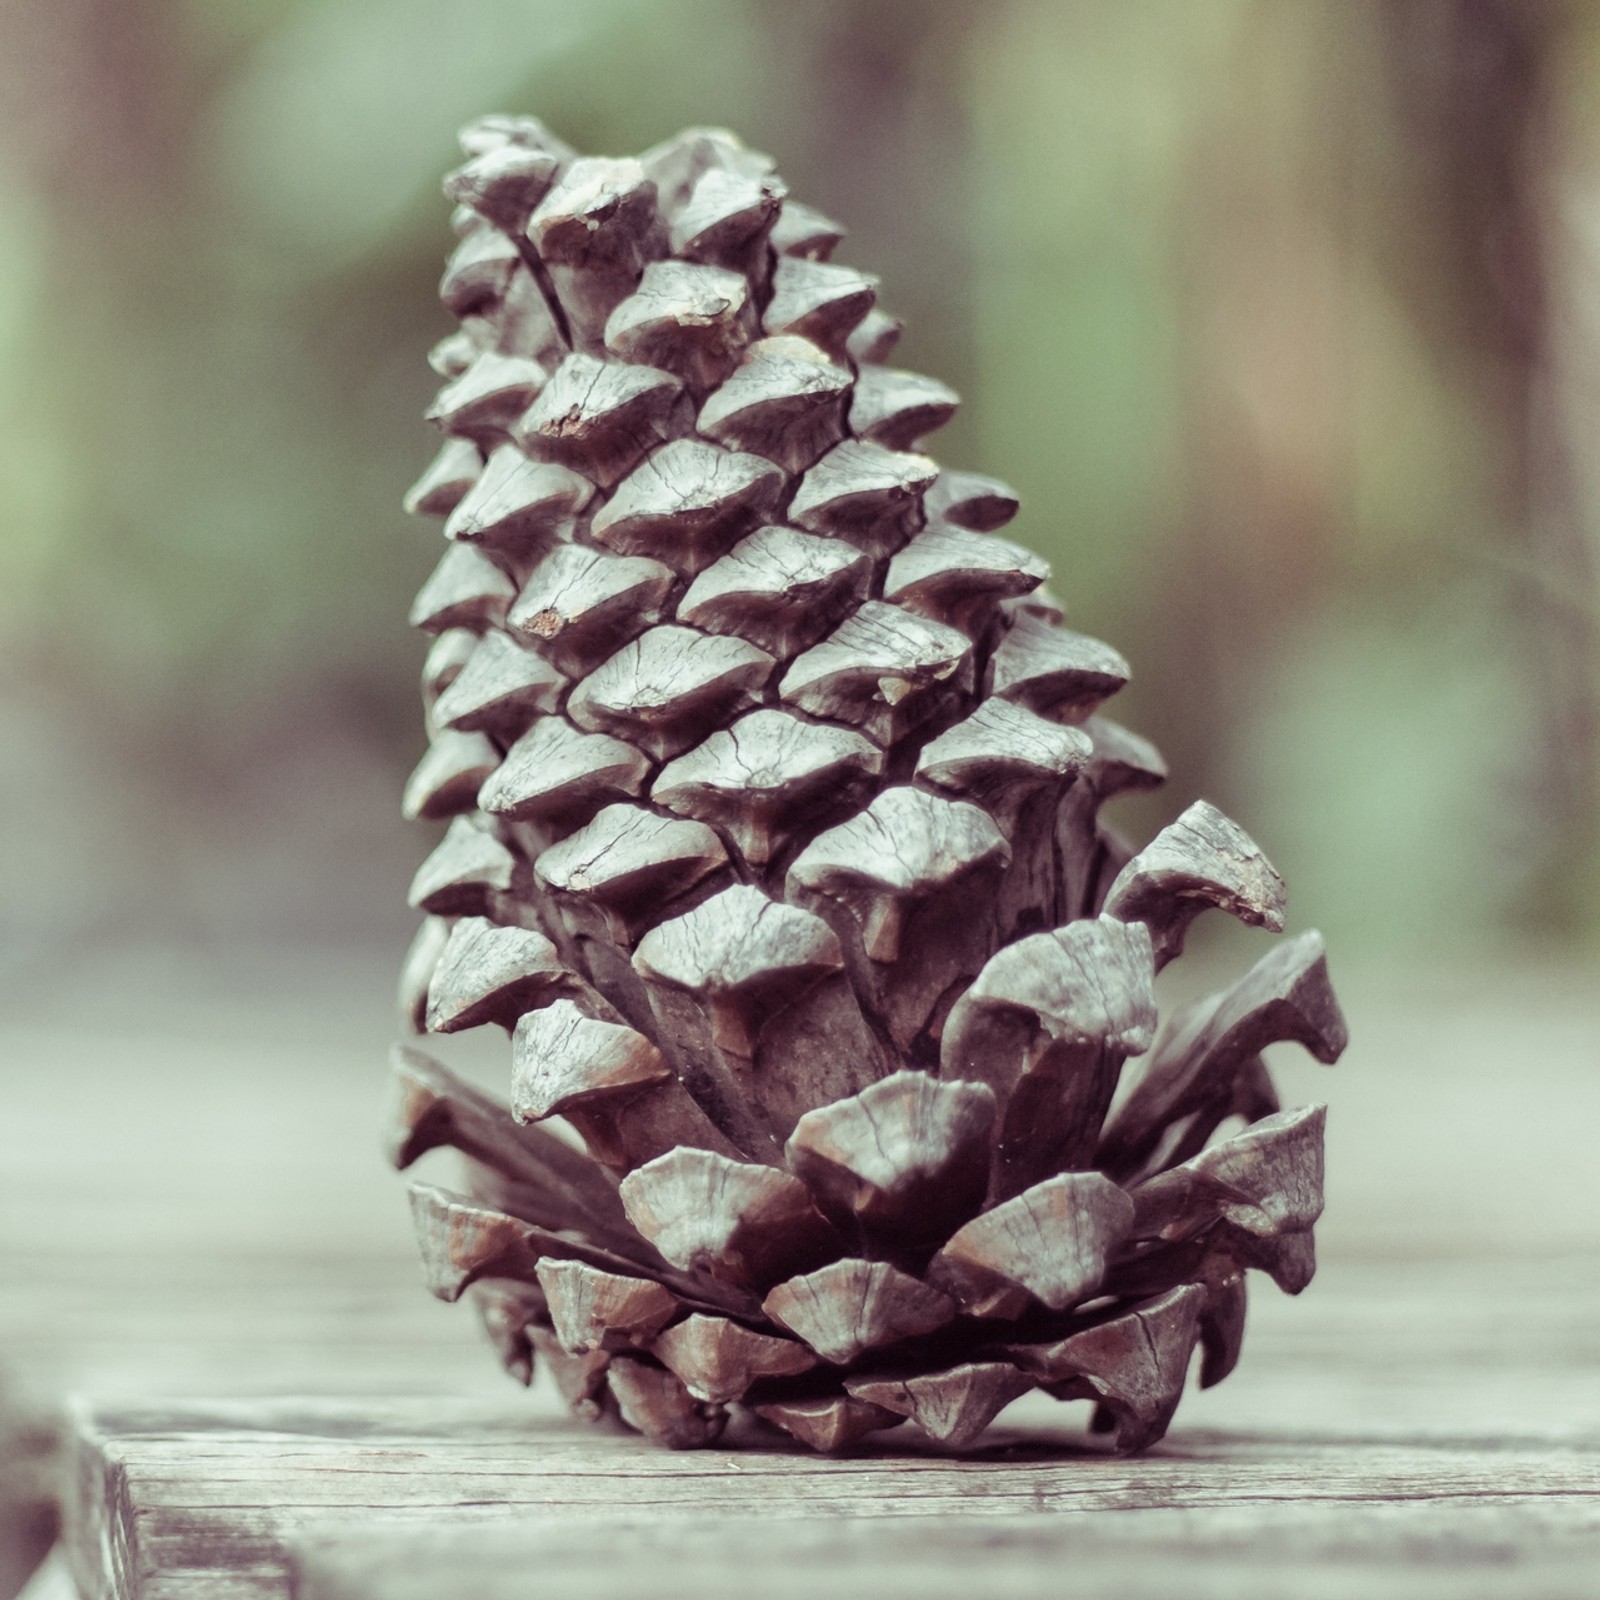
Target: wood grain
[
  {"x": 1316, "y": 1552},
  {"x": 168, "y": 1501}
]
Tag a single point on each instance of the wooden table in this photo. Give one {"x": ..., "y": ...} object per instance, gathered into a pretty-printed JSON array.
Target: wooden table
[{"x": 194, "y": 1237}]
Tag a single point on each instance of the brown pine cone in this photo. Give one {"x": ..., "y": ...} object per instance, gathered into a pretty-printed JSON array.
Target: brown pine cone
[{"x": 772, "y": 780}]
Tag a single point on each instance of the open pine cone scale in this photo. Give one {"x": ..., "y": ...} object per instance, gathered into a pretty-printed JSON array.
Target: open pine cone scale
[{"x": 772, "y": 781}]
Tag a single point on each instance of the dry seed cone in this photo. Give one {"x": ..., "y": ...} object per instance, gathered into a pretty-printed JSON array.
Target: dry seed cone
[{"x": 772, "y": 780}]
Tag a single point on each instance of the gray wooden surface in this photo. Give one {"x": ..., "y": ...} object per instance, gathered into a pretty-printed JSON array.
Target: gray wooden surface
[
  {"x": 192, "y": 1229},
  {"x": 200, "y": 1500},
  {"x": 1319, "y": 1552}
]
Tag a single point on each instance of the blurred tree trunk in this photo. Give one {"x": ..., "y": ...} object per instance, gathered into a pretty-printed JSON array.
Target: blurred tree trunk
[
  {"x": 1478, "y": 89},
  {"x": 91, "y": 98},
  {"x": 1261, "y": 240}
]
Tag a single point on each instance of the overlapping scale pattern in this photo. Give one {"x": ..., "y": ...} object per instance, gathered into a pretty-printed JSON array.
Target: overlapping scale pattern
[{"x": 772, "y": 783}]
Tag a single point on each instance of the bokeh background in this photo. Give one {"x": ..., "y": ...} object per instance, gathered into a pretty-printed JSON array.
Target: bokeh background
[{"x": 1283, "y": 317}]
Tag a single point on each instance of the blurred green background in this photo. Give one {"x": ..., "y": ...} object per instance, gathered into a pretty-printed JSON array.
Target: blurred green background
[{"x": 1284, "y": 316}]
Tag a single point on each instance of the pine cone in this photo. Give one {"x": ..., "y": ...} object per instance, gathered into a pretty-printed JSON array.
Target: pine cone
[{"x": 772, "y": 782}]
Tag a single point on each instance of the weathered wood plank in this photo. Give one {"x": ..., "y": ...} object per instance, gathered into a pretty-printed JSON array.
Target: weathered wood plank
[
  {"x": 164, "y": 1498},
  {"x": 1309, "y": 1553}
]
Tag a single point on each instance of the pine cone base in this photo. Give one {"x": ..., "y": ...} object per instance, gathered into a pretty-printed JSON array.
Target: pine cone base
[{"x": 772, "y": 783}]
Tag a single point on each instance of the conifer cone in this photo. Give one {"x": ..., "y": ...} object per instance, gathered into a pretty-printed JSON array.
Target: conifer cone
[{"x": 772, "y": 783}]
